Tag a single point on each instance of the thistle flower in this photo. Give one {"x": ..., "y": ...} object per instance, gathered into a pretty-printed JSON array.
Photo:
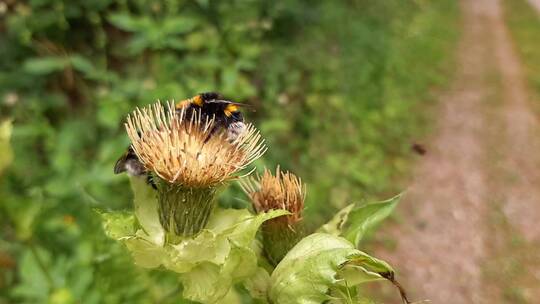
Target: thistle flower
[
  {"x": 282, "y": 191},
  {"x": 189, "y": 160}
]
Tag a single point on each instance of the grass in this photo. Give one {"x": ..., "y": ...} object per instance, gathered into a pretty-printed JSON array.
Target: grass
[
  {"x": 506, "y": 269},
  {"x": 511, "y": 258},
  {"x": 524, "y": 23}
]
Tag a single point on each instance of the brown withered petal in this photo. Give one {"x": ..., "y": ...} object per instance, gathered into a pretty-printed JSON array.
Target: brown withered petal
[
  {"x": 282, "y": 191},
  {"x": 183, "y": 150}
]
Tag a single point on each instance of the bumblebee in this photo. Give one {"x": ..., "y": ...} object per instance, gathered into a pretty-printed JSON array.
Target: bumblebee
[{"x": 226, "y": 114}]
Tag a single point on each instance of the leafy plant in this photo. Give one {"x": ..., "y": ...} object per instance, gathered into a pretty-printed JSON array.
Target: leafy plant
[
  {"x": 343, "y": 85},
  {"x": 6, "y": 154},
  {"x": 323, "y": 266},
  {"x": 176, "y": 226}
]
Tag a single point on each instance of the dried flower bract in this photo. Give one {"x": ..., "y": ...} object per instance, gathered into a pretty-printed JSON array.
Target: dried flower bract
[
  {"x": 282, "y": 191},
  {"x": 185, "y": 150}
]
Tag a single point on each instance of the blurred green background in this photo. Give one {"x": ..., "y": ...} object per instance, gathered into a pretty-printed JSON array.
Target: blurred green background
[{"x": 339, "y": 89}]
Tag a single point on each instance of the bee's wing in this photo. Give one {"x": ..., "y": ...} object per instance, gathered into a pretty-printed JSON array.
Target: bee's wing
[
  {"x": 230, "y": 102},
  {"x": 242, "y": 105},
  {"x": 120, "y": 165}
]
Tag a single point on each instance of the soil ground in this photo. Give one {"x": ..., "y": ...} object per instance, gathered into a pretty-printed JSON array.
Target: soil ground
[
  {"x": 535, "y": 4},
  {"x": 469, "y": 229}
]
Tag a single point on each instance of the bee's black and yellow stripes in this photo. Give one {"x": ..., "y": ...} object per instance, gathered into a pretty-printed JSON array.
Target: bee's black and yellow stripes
[
  {"x": 230, "y": 109},
  {"x": 198, "y": 100}
]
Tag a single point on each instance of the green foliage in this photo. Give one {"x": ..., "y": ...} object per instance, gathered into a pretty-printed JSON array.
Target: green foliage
[
  {"x": 338, "y": 88},
  {"x": 320, "y": 267},
  {"x": 353, "y": 223},
  {"x": 209, "y": 263},
  {"x": 524, "y": 25},
  {"x": 360, "y": 220},
  {"x": 315, "y": 269},
  {"x": 6, "y": 154},
  {"x": 356, "y": 95}
]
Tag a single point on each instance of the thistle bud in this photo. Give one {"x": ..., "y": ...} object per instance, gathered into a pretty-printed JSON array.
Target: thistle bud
[
  {"x": 188, "y": 162},
  {"x": 282, "y": 191}
]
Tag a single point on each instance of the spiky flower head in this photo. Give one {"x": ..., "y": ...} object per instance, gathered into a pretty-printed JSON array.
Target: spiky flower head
[
  {"x": 186, "y": 149},
  {"x": 189, "y": 158},
  {"x": 283, "y": 190}
]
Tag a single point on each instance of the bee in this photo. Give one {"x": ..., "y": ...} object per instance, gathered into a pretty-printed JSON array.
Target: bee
[
  {"x": 226, "y": 117},
  {"x": 226, "y": 114}
]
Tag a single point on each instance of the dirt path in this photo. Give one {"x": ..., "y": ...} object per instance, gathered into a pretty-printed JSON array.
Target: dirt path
[
  {"x": 535, "y": 4},
  {"x": 478, "y": 188}
]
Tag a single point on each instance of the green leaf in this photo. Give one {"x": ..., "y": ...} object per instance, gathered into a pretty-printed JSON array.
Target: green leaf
[
  {"x": 232, "y": 297},
  {"x": 145, "y": 253},
  {"x": 83, "y": 65},
  {"x": 209, "y": 263},
  {"x": 335, "y": 225},
  {"x": 363, "y": 268},
  {"x": 175, "y": 43},
  {"x": 352, "y": 275},
  {"x": 138, "y": 44},
  {"x": 361, "y": 219},
  {"x": 118, "y": 225},
  {"x": 353, "y": 223},
  {"x": 319, "y": 263},
  {"x": 308, "y": 271},
  {"x": 146, "y": 209},
  {"x": 223, "y": 219},
  {"x": 24, "y": 215},
  {"x": 258, "y": 284},
  {"x": 245, "y": 230},
  {"x": 209, "y": 283},
  {"x": 33, "y": 282},
  {"x": 130, "y": 23},
  {"x": 229, "y": 249},
  {"x": 61, "y": 296},
  {"x": 123, "y": 226},
  {"x": 45, "y": 65},
  {"x": 6, "y": 153},
  {"x": 202, "y": 283},
  {"x": 25, "y": 219},
  {"x": 179, "y": 25},
  {"x": 190, "y": 252}
]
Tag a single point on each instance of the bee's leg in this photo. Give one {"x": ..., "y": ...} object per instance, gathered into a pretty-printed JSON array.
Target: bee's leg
[
  {"x": 150, "y": 181},
  {"x": 120, "y": 166}
]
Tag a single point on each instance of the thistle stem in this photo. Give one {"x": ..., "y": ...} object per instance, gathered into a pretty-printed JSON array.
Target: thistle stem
[
  {"x": 184, "y": 211},
  {"x": 279, "y": 238}
]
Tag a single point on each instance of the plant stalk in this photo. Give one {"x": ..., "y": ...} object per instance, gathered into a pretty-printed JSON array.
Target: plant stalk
[{"x": 184, "y": 211}]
